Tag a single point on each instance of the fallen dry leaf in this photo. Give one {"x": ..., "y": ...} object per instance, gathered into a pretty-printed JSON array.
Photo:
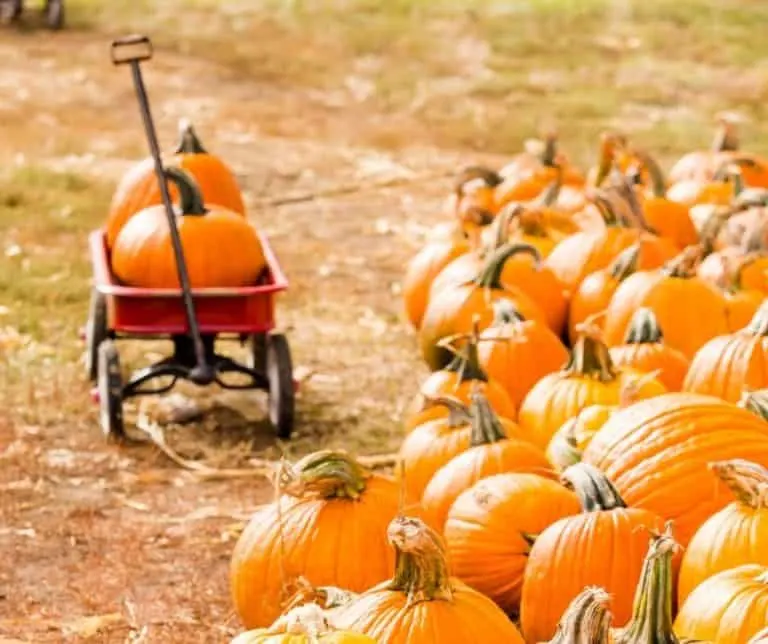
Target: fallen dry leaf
[{"x": 93, "y": 625}]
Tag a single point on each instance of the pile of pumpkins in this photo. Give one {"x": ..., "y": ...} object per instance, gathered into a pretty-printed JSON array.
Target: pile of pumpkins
[
  {"x": 221, "y": 248},
  {"x": 587, "y": 461}
]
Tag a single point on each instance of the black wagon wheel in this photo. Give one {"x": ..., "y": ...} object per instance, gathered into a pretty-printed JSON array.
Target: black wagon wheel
[
  {"x": 110, "y": 386},
  {"x": 258, "y": 353},
  {"x": 281, "y": 392},
  {"x": 95, "y": 332},
  {"x": 54, "y": 14}
]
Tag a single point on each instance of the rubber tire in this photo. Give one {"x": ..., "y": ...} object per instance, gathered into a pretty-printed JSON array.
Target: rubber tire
[
  {"x": 54, "y": 14},
  {"x": 281, "y": 399},
  {"x": 95, "y": 333},
  {"x": 110, "y": 384}
]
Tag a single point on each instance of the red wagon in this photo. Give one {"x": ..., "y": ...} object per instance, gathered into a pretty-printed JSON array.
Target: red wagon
[{"x": 192, "y": 318}]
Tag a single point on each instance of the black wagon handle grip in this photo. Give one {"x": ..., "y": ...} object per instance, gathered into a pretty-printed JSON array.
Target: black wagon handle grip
[{"x": 129, "y": 49}]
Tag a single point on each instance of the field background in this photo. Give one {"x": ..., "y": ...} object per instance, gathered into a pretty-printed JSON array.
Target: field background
[{"x": 328, "y": 102}]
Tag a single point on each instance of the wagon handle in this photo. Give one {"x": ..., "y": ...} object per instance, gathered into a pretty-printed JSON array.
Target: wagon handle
[{"x": 132, "y": 50}]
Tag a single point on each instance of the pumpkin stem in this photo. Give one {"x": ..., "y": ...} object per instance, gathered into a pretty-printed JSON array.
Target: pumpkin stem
[
  {"x": 684, "y": 265},
  {"x": 747, "y": 480},
  {"x": 756, "y": 402},
  {"x": 326, "y": 474},
  {"x": 549, "y": 151},
  {"x": 190, "y": 197},
  {"x": 189, "y": 142},
  {"x": 549, "y": 195},
  {"x": 489, "y": 177},
  {"x": 652, "y": 611},
  {"x": 758, "y": 325},
  {"x": 590, "y": 356},
  {"x": 505, "y": 312},
  {"x": 596, "y": 493},
  {"x": 466, "y": 362},
  {"x": 726, "y": 137},
  {"x": 587, "y": 620},
  {"x": 308, "y": 619},
  {"x": 610, "y": 142},
  {"x": 421, "y": 564},
  {"x": 326, "y": 597},
  {"x": 625, "y": 263},
  {"x": 730, "y": 171},
  {"x": 490, "y": 274},
  {"x": 486, "y": 427},
  {"x": 458, "y": 412},
  {"x": 655, "y": 173},
  {"x": 644, "y": 328}
]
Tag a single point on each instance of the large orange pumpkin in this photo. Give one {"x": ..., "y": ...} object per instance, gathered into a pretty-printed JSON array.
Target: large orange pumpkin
[
  {"x": 220, "y": 247},
  {"x": 589, "y": 378},
  {"x": 328, "y": 527},
  {"x": 728, "y": 608},
  {"x": 490, "y": 452},
  {"x": 422, "y": 602},
  {"x": 138, "y": 189},
  {"x": 644, "y": 349},
  {"x": 737, "y": 534},
  {"x": 728, "y": 365},
  {"x": 657, "y": 454},
  {"x": 604, "y": 546},
  {"x": 491, "y": 526},
  {"x": 517, "y": 353}
]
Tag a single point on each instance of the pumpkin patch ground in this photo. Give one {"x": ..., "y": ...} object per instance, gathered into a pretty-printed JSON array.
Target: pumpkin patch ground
[{"x": 345, "y": 128}]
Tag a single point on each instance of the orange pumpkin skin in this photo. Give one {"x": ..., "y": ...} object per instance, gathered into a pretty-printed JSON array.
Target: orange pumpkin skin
[
  {"x": 741, "y": 306},
  {"x": 331, "y": 510},
  {"x": 644, "y": 350},
  {"x": 138, "y": 189},
  {"x": 487, "y": 526},
  {"x": 424, "y": 267},
  {"x": 573, "y": 436},
  {"x": 736, "y": 535},
  {"x": 603, "y": 547},
  {"x": 221, "y": 248},
  {"x": 657, "y": 452},
  {"x": 491, "y": 452},
  {"x": 728, "y": 608},
  {"x": 517, "y": 353},
  {"x": 421, "y": 603},
  {"x": 728, "y": 365}
]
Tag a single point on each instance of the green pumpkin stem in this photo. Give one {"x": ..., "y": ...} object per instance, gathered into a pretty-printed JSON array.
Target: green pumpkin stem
[
  {"x": 644, "y": 328},
  {"x": 756, "y": 402},
  {"x": 486, "y": 426},
  {"x": 758, "y": 325},
  {"x": 590, "y": 356},
  {"x": 326, "y": 474},
  {"x": 747, "y": 480},
  {"x": 190, "y": 197},
  {"x": 596, "y": 493},
  {"x": 458, "y": 412},
  {"x": 421, "y": 563},
  {"x": 587, "y": 620},
  {"x": 626, "y": 263},
  {"x": 490, "y": 274},
  {"x": 651, "y": 621},
  {"x": 466, "y": 361},
  {"x": 189, "y": 143}
]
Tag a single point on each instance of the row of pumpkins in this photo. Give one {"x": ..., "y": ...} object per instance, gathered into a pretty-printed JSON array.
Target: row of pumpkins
[
  {"x": 588, "y": 460},
  {"x": 221, "y": 248}
]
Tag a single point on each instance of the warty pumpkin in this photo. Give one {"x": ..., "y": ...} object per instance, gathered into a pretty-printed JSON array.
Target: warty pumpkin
[
  {"x": 728, "y": 608},
  {"x": 690, "y": 311},
  {"x": 729, "y": 364},
  {"x": 328, "y": 526},
  {"x": 589, "y": 378},
  {"x": 737, "y": 534},
  {"x": 220, "y": 247},
  {"x": 517, "y": 353},
  {"x": 491, "y": 452},
  {"x": 491, "y": 526},
  {"x": 604, "y": 546},
  {"x": 455, "y": 310},
  {"x": 422, "y": 602},
  {"x": 644, "y": 349},
  {"x": 657, "y": 453},
  {"x": 138, "y": 189}
]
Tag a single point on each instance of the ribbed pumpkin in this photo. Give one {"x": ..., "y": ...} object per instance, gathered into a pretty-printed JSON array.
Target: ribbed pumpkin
[
  {"x": 657, "y": 453},
  {"x": 491, "y": 526},
  {"x": 644, "y": 349},
  {"x": 589, "y": 378},
  {"x": 737, "y": 534},
  {"x": 220, "y": 247},
  {"x": 463, "y": 375},
  {"x": 491, "y": 452},
  {"x": 517, "y": 353},
  {"x": 728, "y": 608},
  {"x": 328, "y": 527},
  {"x": 138, "y": 189},
  {"x": 422, "y": 603},
  {"x": 303, "y": 625},
  {"x": 604, "y": 546},
  {"x": 456, "y": 309},
  {"x": 437, "y": 253},
  {"x": 689, "y": 310},
  {"x": 720, "y": 189},
  {"x": 729, "y": 364}
]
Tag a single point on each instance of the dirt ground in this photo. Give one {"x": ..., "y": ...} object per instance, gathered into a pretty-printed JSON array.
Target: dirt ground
[{"x": 112, "y": 544}]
